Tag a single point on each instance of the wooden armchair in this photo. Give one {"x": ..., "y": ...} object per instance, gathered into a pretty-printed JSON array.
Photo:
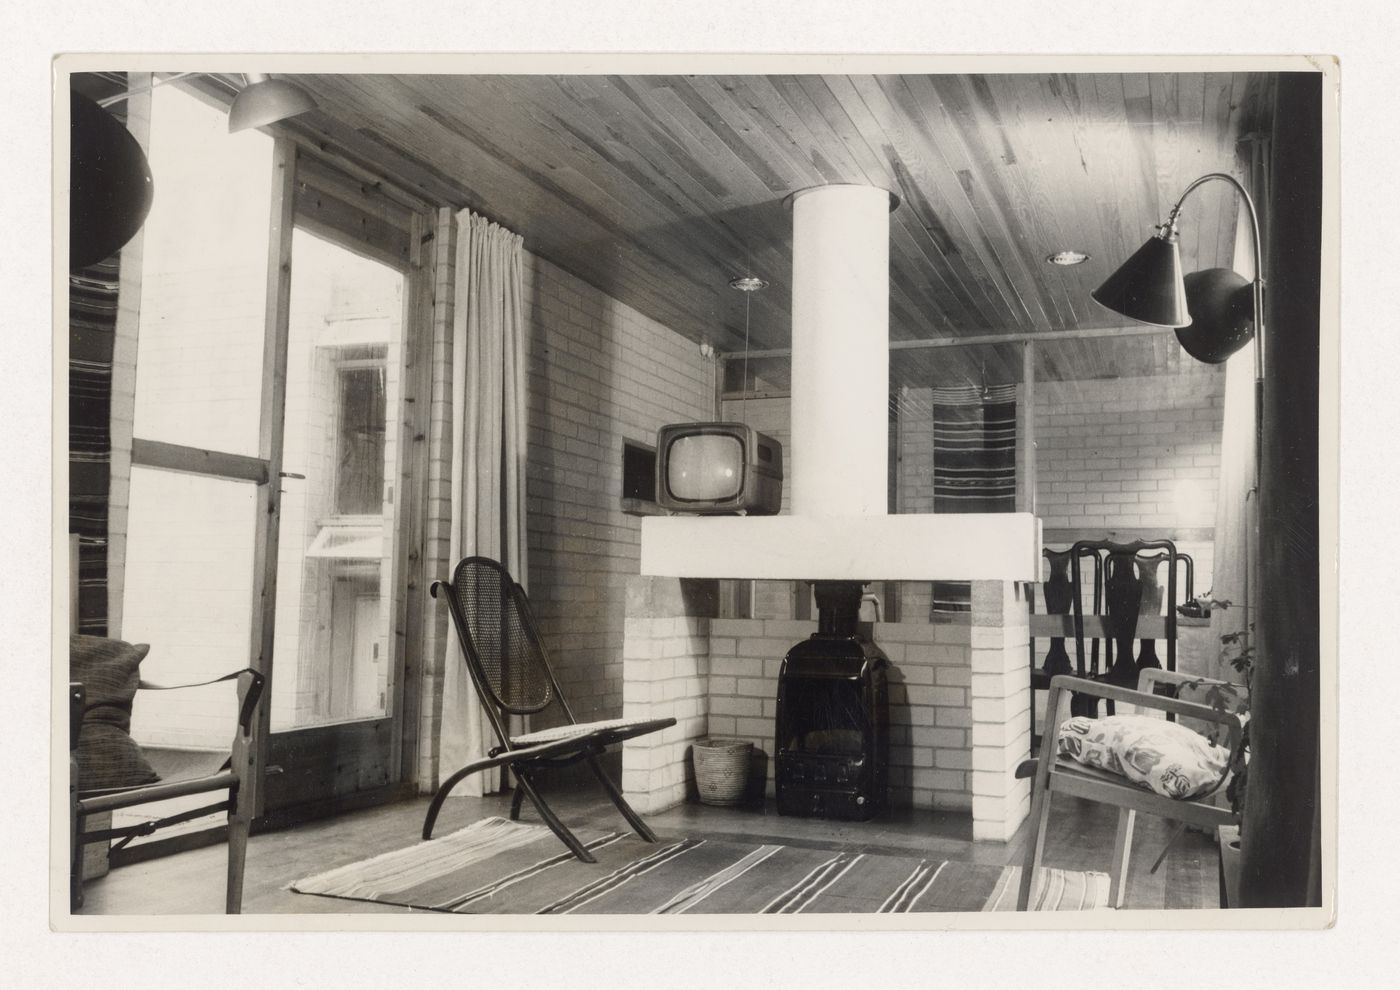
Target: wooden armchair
[
  {"x": 236, "y": 777},
  {"x": 1059, "y": 774}
]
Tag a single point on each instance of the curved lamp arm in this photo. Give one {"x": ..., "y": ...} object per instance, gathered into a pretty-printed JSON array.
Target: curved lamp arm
[
  {"x": 155, "y": 81},
  {"x": 1169, "y": 228},
  {"x": 1258, "y": 290}
]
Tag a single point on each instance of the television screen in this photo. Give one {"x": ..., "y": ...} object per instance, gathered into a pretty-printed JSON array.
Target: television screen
[{"x": 705, "y": 466}]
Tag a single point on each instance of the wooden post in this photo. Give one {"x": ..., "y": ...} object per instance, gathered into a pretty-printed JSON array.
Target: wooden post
[
  {"x": 1279, "y": 841},
  {"x": 1025, "y": 432},
  {"x": 274, "y": 395}
]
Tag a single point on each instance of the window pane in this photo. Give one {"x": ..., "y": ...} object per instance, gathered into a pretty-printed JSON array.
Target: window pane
[
  {"x": 360, "y": 442},
  {"x": 189, "y": 594},
  {"x": 336, "y": 549},
  {"x": 203, "y": 279}
]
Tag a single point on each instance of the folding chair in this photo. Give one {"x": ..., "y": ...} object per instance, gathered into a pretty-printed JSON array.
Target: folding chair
[{"x": 507, "y": 663}]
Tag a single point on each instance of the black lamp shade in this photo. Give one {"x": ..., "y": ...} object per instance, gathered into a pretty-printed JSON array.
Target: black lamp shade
[
  {"x": 109, "y": 184},
  {"x": 1148, "y": 286},
  {"x": 1221, "y": 303}
]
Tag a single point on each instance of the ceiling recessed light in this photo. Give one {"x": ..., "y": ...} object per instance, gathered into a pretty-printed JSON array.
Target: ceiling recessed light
[
  {"x": 747, "y": 283},
  {"x": 1067, "y": 258}
]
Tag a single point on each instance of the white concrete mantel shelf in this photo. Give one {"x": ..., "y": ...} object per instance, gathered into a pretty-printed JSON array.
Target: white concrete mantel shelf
[{"x": 926, "y": 547}]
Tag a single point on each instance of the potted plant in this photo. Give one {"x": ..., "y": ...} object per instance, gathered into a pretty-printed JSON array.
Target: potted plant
[{"x": 1236, "y": 651}]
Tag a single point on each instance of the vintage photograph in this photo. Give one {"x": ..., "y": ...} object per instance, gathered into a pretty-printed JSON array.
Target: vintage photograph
[{"x": 696, "y": 491}]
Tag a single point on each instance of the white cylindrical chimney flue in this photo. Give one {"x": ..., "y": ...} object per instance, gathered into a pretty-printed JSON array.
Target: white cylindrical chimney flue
[{"x": 840, "y": 351}]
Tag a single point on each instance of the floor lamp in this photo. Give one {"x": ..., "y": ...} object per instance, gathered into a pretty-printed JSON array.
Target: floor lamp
[{"x": 1214, "y": 312}]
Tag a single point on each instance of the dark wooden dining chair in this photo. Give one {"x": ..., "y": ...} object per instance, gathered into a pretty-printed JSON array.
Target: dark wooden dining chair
[
  {"x": 508, "y": 665},
  {"x": 1057, "y": 591},
  {"x": 1123, "y": 566}
]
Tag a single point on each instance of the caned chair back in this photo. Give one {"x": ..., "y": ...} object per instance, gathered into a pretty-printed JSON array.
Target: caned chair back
[{"x": 499, "y": 638}]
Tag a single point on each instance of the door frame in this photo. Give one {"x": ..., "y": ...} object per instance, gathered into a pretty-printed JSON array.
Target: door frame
[
  {"x": 327, "y": 750},
  {"x": 342, "y": 759}
]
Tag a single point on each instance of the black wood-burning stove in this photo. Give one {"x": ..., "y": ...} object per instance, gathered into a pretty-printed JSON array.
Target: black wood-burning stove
[{"x": 832, "y": 733}]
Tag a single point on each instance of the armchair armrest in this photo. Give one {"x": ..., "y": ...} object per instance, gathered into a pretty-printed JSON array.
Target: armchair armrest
[
  {"x": 1235, "y": 694},
  {"x": 1144, "y": 699},
  {"x": 250, "y": 689},
  {"x": 237, "y": 768}
]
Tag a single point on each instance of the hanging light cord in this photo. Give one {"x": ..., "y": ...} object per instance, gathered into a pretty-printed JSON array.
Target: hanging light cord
[
  {"x": 744, "y": 402},
  {"x": 747, "y": 284}
]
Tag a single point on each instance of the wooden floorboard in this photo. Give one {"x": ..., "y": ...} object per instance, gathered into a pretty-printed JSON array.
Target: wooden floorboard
[{"x": 1080, "y": 837}]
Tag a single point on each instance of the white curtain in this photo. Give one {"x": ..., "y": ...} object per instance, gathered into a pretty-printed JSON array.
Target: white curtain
[
  {"x": 488, "y": 453},
  {"x": 1235, "y": 552}
]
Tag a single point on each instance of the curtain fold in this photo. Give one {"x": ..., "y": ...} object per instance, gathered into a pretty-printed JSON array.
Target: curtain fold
[
  {"x": 1235, "y": 508},
  {"x": 488, "y": 452}
]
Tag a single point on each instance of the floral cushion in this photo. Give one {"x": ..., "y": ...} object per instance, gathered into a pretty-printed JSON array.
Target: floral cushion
[
  {"x": 108, "y": 670},
  {"x": 1169, "y": 758}
]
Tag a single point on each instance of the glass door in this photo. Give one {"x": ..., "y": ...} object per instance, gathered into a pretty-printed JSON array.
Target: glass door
[{"x": 336, "y": 675}]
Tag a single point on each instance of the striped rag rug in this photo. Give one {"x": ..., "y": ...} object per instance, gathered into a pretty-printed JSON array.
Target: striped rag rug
[{"x": 498, "y": 866}]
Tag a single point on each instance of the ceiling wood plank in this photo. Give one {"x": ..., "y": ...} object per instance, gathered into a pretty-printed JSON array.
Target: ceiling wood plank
[
  {"x": 936, "y": 202},
  {"x": 1056, "y": 125},
  {"x": 925, "y": 300},
  {"x": 932, "y": 163},
  {"x": 1002, "y": 149},
  {"x": 659, "y": 189}
]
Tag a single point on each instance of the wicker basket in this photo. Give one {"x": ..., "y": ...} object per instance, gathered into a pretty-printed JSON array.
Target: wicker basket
[{"x": 721, "y": 770}]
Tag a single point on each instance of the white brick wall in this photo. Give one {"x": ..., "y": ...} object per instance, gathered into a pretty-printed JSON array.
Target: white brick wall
[
  {"x": 599, "y": 373},
  {"x": 1001, "y": 697},
  {"x": 1131, "y": 454},
  {"x": 666, "y": 665}
]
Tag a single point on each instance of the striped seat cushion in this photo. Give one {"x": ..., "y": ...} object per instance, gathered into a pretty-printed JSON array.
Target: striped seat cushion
[{"x": 565, "y": 731}]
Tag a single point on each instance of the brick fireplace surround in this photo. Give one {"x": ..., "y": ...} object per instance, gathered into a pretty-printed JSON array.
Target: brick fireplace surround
[{"x": 959, "y": 696}]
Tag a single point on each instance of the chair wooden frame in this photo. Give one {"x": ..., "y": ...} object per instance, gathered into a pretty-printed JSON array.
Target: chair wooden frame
[
  {"x": 1057, "y": 774},
  {"x": 1041, "y": 674},
  {"x": 580, "y": 742},
  {"x": 238, "y": 777},
  {"x": 1119, "y": 552}
]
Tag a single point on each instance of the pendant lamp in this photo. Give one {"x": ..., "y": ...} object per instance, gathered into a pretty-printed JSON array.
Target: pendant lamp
[
  {"x": 265, "y": 101},
  {"x": 110, "y": 187}
]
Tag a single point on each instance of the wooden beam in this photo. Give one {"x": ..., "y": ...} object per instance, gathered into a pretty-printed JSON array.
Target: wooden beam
[
  {"x": 766, "y": 393},
  {"x": 408, "y": 660},
  {"x": 1280, "y": 850},
  {"x": 995, "y": 338},
  {"x": 196, "y": 460},
  {"x": 1073, "y": 534},
  {"x": 1025, "y": 432},
  {"x": 272, "y": 415},
  {"x": 1095, "y": 627}
]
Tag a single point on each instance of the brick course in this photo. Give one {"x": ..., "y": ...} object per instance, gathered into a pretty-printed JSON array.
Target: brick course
[{"x": 599, "y": 373}]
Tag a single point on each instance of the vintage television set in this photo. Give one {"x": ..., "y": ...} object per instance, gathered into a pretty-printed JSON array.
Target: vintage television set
[{"x": 718, "y": 468}]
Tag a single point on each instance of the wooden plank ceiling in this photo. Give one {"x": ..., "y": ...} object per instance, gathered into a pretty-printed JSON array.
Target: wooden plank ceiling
[{"x": 659, "y": 189}]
